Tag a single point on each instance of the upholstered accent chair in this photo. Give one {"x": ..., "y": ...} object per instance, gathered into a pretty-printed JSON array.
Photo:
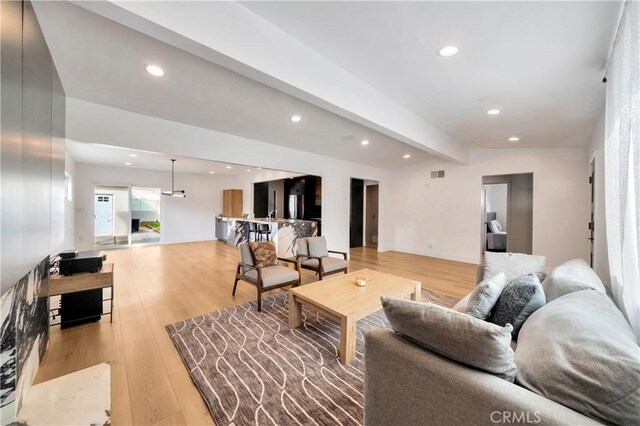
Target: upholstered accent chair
[
  {"x": 312, "y": 254},
  {"x": 264, "y": 278}
]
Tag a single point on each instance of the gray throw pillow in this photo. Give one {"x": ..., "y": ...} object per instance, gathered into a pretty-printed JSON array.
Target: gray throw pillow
[
  {"x": 317, "y": 246},
  {"x": 484, "y": 297},
  {"x": 519, "y": 299},
  {"x": 454, "y": 335},
  {"x": 580, "y": 351}
]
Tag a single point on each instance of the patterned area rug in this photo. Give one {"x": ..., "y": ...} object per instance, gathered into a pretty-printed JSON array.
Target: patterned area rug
[{"x": 252, "y": 369}]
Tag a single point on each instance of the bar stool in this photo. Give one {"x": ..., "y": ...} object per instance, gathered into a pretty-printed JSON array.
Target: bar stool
[
  {"x": 253, "y": 227},
  {"x": 264, "y": 230}
]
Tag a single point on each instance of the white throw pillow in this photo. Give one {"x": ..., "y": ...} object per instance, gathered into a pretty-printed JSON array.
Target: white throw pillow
[{"x": 513, "y": 265}]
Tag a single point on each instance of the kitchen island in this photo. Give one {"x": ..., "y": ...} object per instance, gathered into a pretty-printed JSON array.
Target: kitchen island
[{"x": 284, "y": 232}]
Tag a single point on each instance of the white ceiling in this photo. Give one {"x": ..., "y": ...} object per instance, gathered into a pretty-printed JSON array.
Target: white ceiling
[
  {"x": 101, "y": 61},
  {"x": 541, "y": 63},
  {"x": 106, "y": 155}
]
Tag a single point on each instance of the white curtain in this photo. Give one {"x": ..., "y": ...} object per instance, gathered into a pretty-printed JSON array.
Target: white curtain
[{"x": 622, "y": 165}]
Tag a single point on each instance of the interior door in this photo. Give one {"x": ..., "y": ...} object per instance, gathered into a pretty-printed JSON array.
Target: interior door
[
  {"x": 356, "y": 230},
  {"x": 103, "y": 216},
  {"x": 372, "y": 215}
]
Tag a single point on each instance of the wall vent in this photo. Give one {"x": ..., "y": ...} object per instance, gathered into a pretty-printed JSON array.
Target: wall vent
[{"x": 436, "y": 174}]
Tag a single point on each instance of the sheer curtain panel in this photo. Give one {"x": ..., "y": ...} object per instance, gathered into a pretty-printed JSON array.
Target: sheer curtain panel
[{"x": 622, "y": 165}]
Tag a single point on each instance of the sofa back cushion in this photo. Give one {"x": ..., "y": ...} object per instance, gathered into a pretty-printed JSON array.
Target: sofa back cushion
[
  {"x": 513, "y": 264},
  {"x": 580, "y": 351},
  {"x": 573, "y": 275},
  {"x": 454, "y": 335}
]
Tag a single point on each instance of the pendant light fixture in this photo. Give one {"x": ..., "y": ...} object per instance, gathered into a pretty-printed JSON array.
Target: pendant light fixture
[{"x": 174, "y": 193}]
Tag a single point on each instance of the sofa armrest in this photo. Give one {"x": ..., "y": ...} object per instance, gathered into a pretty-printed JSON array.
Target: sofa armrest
[{"x": 407, "y": 384}]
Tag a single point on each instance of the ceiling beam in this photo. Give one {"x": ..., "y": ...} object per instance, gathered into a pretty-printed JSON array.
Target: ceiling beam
[{"x": 230, "y": 35}]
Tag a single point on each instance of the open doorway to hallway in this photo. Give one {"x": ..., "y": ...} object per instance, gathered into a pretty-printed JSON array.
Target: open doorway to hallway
[
  {"x": 507, "y": 213},
  {"x": 111, "y": 216}
]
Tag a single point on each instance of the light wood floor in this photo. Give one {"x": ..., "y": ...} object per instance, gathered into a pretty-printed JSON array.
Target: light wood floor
[{"x": 159, "y": 285}]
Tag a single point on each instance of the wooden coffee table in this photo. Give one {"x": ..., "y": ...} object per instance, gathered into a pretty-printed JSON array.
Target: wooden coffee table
[{"x": 339, "y": 298}]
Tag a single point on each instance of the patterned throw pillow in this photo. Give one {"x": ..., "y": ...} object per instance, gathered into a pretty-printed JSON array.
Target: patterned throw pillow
[
  {"x": 484, "y": 297},
  {"x": 519, "y": 299},
  {"x": 264, "y": 253}
]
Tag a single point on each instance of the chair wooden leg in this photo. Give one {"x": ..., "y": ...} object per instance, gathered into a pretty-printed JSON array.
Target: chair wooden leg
[
  {"x": 235, "y": 284},
  {"x": 320, "y": 273},
  {"x": 259, "y": 300}
]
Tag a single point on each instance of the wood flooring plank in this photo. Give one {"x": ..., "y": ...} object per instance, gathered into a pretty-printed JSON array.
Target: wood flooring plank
[{"x": 163, "y": 284}]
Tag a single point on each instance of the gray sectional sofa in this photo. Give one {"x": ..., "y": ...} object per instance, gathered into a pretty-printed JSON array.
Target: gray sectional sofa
[{"x": 577, "y": 359}]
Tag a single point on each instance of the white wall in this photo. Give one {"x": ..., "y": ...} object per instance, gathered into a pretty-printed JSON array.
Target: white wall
[
  {"x": 442, "y": 217},
  {"x": 69, "y": 205},
  {"x": 600, "y": 256},
  {"x": 89, "y": 122},
  {"x": 496, "y": 201},
  {"x": 182, "y": 219}
]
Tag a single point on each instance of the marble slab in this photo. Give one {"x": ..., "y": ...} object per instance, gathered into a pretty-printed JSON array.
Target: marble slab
[
  {"x": 24, "y": 337},
  {"x": 80, "y": 398}
]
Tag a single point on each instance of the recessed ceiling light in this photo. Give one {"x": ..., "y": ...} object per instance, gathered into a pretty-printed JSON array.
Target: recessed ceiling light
[
  {"x": 154, "y": 70},
  {"x": 259, "y": 168},
  {"x": 296, "y": 118},
  {"x": 364, "y": 142},
  {"x": 132, "y": 155},
  {"x": 406, "y": 156},
  {"x": 127, "y": 164},
  {"x": 514, "y": 139},
  {"x": 228, "y": 167},
  {"x": 248, "y": 170},
  {"x": 448, "y": 51},
  {"x": 211, "y": 173},
  {"x": 493, "y": 112}
]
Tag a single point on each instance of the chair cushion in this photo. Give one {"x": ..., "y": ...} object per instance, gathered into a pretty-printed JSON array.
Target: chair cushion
[
  {"x": 573, "y": 275},
  {"x": 264, "y": 253},
  {"x": 329, "y": 264},
  {"x": 519, "y": 299},
  {"x": 454, "y": 335},
  {"x": 274, "y": 275},
  {"x": 484, "y": 297},
  {"x": 579, "y": 351},
  {"x": 512, "y": 264},
  {"x": 317, "y": 246},
  {"x": 302, "y": 247},
  {"x": 246, "y": 256}
]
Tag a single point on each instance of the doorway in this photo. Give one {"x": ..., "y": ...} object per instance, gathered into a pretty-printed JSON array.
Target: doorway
[
  {"x": 371, "y": 215},
  {"x": 507, "y": 213},
  {"x": 356, "y": 213},
  {"x": 145, "y": 215},
  {"x": 111, "y": 216}
]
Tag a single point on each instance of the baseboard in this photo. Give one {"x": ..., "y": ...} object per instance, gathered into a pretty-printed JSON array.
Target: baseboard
[{"x": 439, "y": 255}]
